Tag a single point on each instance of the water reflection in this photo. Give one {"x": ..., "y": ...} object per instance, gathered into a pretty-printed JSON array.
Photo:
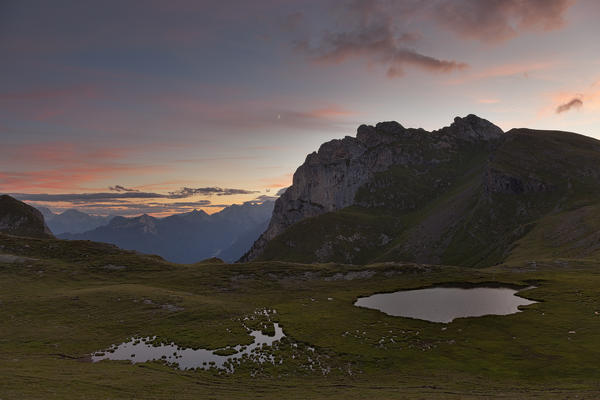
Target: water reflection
[
  {"x": 444, "y": 304},
  {"x": 142, "y": 350}
]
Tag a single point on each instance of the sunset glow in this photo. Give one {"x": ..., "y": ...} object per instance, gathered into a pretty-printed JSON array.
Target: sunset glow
[{"x": 154, "y": 97}]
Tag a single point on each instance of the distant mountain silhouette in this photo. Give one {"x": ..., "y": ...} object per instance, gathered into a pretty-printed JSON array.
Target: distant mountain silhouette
[
  {"x": 188, "y": 237},
  {"x": 20, "y": 219},
  {"x": 72, "y": 221}
]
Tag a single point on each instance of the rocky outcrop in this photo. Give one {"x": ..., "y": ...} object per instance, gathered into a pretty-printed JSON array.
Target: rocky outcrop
[
  {"x": 471, "y": 128},
  {"x": 20, "y": 219},
  {"x": 499, "y": 182},
  {"x": 330, "y": 178}
]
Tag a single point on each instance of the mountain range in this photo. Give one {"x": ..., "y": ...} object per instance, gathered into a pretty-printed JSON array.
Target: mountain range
[
  {"x": 467, "y": 194},
  {"x": 188, "y": 237},
  {"x": 72, "y": 221}
]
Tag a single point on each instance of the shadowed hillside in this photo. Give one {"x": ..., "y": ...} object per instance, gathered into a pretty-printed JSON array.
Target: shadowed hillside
[{"x": 20, "y": 219}]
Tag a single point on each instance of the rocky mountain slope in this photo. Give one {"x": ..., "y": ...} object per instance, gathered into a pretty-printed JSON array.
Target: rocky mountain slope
[
  {"x": 467, "y": 194},
  {"x": 20, "y": 219},
  {"x": 188, "y": 237}
]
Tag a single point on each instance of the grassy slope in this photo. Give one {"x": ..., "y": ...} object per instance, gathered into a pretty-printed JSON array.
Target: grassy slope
[
  {"x": 570, "y": 234},
  {"x": 563, "y": 161},
  {"x": 403, "y": 197},
  {"x": 66, "y": 303}
]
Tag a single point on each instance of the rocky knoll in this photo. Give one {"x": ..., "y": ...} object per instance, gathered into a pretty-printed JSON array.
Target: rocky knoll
[
  {"x": 20, "y": 219},
  {"x": 330, "y": 178}
]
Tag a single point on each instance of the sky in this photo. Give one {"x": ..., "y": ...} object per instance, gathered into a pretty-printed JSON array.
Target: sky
[{"x": 157, "y": 107}]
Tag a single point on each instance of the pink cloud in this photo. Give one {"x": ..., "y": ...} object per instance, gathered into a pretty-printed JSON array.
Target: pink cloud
[
  {"x": 280, "y": 181},
  {"x": 330, "y": 112},
  {"x": 522, "y": 69},
  {"x": 377, "y": 32},
  {"x": 377, "y": 45},
  {"x": 383, "y": 32},
  {"x": 66, "y": 178},
  {"x": 518, "y": 68},
  {"x": 65, "y": 165},
  {"x": 494, "y": 21}
]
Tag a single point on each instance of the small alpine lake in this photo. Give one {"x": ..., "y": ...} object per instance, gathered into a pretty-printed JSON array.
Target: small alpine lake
[
  {"x": 444, "y": 304},
  {"x": 143, "y": 350}
]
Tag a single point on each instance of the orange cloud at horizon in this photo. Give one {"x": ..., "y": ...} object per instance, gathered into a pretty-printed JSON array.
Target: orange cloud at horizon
[
  {"x": 332, "y": 111},
  {"x": 279, "y": 182}
]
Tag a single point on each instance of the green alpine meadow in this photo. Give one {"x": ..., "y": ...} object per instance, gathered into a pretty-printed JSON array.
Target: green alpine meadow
[{"x": 64, "y": 301}]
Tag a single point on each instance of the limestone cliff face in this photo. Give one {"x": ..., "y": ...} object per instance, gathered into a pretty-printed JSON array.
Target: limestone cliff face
[{"x": 330, "y": 178}]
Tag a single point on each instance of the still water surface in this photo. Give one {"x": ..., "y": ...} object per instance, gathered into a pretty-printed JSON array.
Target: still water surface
[
  {"x": 444, "y": 304},
  {"x": 142, "y": 350}
]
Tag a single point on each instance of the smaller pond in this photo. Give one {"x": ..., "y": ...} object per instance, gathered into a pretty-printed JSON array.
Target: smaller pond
[
  {"x": 444, "y": 304},
  {"x": 142, "y": 350}
]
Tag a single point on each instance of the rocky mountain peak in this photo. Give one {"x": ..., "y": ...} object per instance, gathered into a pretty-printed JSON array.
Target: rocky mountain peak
[
  {"x": 194, "y": 215},
  {"x": 472, "y": 128},
  {"x": 330, "y": 178},
  {"x": 148, "y": 223},
  {"x": 383, "y": 132},
  {"x": 335, "y": 150},
  {"x": 46, "y": 212},
  {"x": 389, "y": 127}
]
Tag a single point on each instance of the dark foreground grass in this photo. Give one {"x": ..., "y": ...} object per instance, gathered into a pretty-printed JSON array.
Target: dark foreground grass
[{"x": 68, "y": 300}]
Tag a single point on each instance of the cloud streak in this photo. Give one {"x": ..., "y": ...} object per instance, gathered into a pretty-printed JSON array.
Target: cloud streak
[
  {"x": 573, "y": 103},
  {"x": 129, "y": 194},
  {"x": 87, "y": 197},
  {"x": 208, "y": 191},
  {"x": 133, "y": 209},
  {"x": 119, "y": 188}
]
